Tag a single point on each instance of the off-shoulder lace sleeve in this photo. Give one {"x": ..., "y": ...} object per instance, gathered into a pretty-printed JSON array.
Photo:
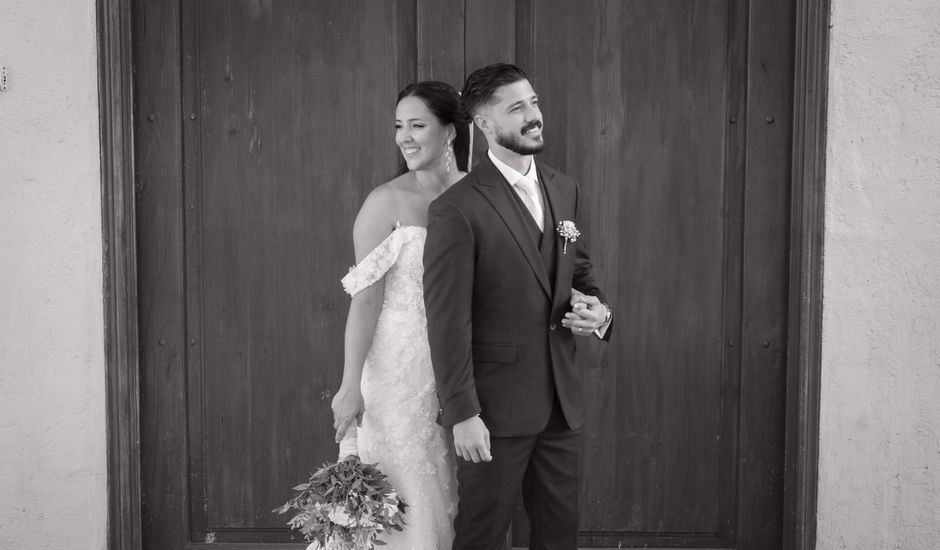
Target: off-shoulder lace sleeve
[{"x": 374, "y": 265}]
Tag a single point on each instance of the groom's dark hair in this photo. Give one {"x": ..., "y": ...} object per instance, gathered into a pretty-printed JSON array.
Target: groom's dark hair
[{"x": 483, "y": 83}]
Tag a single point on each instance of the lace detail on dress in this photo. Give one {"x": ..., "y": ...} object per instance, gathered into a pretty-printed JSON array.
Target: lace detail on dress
[
  {"x": 399, "y": 429},
  {"x": 376, "y": 262}
]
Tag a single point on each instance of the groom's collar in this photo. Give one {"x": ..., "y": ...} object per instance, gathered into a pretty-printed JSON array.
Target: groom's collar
[
  {"x": 511, "y": 174},
  {"x": 487, "y": 174}
]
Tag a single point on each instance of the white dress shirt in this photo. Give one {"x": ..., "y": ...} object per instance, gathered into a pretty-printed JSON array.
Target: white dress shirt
[{"x": 531, "y": 195}]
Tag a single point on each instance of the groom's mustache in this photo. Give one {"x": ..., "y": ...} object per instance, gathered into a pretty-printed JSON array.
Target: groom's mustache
[{"x": 531, "y": 125}]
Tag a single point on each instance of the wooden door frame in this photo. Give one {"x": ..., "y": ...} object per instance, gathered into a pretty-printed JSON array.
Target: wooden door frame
[
  {"x": 118, "y": 223},
  {"x": 804, "y": 334}
]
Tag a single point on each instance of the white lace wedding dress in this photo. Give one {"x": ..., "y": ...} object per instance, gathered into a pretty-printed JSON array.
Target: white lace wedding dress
[{"x": 399, "y": 429}]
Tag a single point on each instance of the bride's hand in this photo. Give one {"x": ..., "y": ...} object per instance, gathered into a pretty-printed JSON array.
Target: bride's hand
[{"x": 348, "y": 407}]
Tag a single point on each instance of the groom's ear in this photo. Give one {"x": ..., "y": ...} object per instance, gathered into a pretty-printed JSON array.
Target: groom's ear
[{"x": 482, "y": 122}]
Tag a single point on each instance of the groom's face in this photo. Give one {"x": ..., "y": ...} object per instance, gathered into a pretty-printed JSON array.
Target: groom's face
[{"x": 514, "y": 120}]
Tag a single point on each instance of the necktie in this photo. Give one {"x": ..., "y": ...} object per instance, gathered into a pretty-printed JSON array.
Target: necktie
[{"x": 527, "y": 189}]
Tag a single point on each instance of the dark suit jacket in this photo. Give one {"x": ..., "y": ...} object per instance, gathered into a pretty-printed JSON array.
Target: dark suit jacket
[{"x": 494, "y": 319}]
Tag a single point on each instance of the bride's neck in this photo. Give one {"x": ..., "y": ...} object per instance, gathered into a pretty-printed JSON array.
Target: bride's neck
[{"x": 436, "y": 180}]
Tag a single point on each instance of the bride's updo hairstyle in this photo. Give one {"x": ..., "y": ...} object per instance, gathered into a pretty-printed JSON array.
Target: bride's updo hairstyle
[{"x": 444, "y": 102}]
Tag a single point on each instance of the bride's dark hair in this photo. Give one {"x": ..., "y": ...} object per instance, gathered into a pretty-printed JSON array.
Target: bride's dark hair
[{"x": 444, "y": 102}]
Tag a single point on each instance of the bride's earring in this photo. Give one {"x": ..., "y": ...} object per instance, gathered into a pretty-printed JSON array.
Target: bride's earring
[{"x": 447, "y": 156}]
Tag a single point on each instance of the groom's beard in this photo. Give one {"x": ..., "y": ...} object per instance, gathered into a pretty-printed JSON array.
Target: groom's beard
[{"x": 514, "y": 142}]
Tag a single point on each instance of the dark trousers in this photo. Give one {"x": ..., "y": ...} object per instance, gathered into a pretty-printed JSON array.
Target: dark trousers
[{"x": 544, "y": 468}]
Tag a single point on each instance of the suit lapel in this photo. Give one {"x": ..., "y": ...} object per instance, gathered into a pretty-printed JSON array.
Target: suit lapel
[
  {"x": 494, "y": 188},
  {"x": 551, "y": 195},
  {"x": 555, "y": 201}
]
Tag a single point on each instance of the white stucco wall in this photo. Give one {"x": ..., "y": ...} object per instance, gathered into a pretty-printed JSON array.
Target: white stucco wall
[
  {"x": 52, "y": 404},
  {"x": 879, "y": 464}
]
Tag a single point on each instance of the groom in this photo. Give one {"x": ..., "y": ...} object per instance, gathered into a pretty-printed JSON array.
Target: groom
[{"x": 502, "y": 318}]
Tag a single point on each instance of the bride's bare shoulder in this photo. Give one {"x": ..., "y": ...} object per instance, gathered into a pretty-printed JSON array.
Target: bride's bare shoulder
[
  {"x": 385, "y": 200},
  {"x": 379, "y": 213},
  {"x": 400, "y": 185}
]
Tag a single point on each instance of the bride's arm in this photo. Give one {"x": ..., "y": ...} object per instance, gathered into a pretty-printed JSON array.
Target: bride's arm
[{"x": 371, "y": 228}]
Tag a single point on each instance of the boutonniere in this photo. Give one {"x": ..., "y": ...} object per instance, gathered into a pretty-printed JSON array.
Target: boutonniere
[{"x": 568, "y": 231}]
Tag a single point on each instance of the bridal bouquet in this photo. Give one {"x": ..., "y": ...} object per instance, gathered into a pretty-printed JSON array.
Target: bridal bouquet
[{"x": 345, "y": 505}]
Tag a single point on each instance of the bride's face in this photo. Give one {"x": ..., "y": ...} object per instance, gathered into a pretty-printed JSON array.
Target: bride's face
[{"x": 419, "y": 134}]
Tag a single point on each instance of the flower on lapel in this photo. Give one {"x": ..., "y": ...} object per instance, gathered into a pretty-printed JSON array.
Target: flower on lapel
[{"x": 568, "y": 231}]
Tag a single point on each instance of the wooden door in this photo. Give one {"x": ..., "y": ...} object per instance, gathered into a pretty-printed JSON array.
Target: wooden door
[{"x": 262, "y": 125}]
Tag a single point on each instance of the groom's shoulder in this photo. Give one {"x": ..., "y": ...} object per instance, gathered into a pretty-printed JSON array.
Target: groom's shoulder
[
  {"x": 462, "y": 189},
  {"x": 548, "y": 169},
  {"x": 564, "y": 182},
  {"x": 551, "y": 172}
]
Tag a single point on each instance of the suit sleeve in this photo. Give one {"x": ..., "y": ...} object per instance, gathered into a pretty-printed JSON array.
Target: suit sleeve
[
  {"x": 448, "y": 299},
  {"x": 583, "y": 280}
]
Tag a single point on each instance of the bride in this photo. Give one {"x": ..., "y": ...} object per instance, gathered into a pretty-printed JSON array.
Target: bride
[{"x": 388, "y": 385}]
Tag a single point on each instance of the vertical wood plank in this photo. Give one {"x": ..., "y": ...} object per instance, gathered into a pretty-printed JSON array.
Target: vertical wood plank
[
  {"x": 735, "y": 178},
  {"x": 160, "y": 266},
  {"x": 490, "y": 34},
  {"x": 193, "y": 336},
  {"x": 115, "y": 101},
  {"x": 766, "y": 262},
  {"x": 441, "y": 33},
  {"x": 806, "y": 243},
  {"x": 490, "y": 38},
  {"x": 407, "y": 39},
  {"x": 524, "y": 40}
]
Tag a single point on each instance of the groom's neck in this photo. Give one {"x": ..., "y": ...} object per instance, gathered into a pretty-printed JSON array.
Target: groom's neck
[{"x": 519, "y": 163}]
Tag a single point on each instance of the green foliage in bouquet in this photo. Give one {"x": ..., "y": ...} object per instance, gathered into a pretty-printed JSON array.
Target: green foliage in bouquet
[{"x": 346, "y": 505}]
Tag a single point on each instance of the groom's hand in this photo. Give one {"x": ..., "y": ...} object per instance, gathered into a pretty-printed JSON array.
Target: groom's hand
[
  {"x": 587, "y": 314},
  {"x": 472, "y": 440}
]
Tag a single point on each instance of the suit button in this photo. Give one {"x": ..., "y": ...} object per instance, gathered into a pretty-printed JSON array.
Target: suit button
[{"x": 551, "y": 326}]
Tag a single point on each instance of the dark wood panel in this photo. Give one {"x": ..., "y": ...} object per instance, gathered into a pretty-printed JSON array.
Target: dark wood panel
[
  {"x": 191, "y": 99},
  {"x": 811, "y": 34},
  {"x": 634, "y": 97},
  {"x": 160, "y": 267},
  {"x": 490, "y": 34},
  {"x": 440, "y": 34},
  {"x": 765, "y": 270},
  {"x": 406, "y": 37},
  {"x": 735, "y": 153},
  {"x": 638, "y": 106},
  {"x": 119, "y": 254},
  {"x": 490, "y": 38},
  {"x": 291, "y": 96}
]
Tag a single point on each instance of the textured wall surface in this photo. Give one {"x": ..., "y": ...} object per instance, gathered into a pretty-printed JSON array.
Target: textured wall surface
[
  {"x": 52, "y": 409},
  {"x": 879, "y": 465}
]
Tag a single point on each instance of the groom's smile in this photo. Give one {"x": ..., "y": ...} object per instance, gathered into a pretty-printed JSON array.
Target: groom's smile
[{"x": 533, "y": 129}]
